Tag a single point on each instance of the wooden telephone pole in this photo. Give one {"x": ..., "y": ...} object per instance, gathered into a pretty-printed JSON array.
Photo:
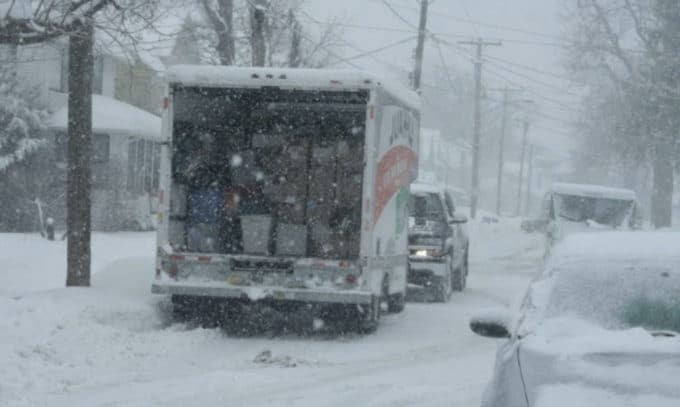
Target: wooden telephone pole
[
  {"x": 476, "y": 138},
  {"x": 420, "y": 48}
]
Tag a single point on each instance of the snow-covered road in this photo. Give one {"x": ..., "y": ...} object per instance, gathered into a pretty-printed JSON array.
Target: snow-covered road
[{"x": 112, "y": 344}]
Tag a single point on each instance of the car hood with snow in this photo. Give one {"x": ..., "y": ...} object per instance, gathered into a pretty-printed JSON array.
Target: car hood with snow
[{"x": 573, "y": 362}]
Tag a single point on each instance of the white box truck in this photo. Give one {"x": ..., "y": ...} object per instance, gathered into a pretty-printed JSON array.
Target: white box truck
[{"x": 287, "y": 187}]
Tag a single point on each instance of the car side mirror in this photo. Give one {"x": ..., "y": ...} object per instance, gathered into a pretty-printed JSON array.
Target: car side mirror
[
  {"x": 491, "y": 324},
  {"x": 458, "y": 219}
]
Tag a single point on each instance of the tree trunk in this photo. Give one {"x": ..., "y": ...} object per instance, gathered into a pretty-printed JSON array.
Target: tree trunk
[
  {"x": 225, "y": 37},
  {"x": 662, "y": 188},
  {"x": 295, "y": 39},
  {"x": 257, "y": 41},
  {"x": 78, "y": 179}
]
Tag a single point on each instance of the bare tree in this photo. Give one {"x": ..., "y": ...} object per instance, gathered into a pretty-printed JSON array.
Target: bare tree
[
  {"x": 220, "y": 16},
  {"x": 634, "y": 44},
  {"x": 32, "y": 22},
  {"x": 258, "y": 21},
  {"x": 260, "y": 32}
]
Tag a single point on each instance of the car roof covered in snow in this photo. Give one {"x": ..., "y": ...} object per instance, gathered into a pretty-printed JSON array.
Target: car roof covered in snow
[
  {"x": 593, "y": 191},
  {"x": 114, "y": 117},
  {"x": 297, "y": 78},
  {"x": 422, "y": 188},
  {"x": 617, "y": 246}
]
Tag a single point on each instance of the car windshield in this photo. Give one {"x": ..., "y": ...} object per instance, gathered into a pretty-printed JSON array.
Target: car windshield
[
  {"x": 618, "y": 296},
  {"x": 426, "y": 205},
  {"x": 604, "y": 211}
]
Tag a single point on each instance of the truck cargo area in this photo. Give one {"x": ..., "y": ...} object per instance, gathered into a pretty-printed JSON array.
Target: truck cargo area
[{"x": 267, "y": 172}]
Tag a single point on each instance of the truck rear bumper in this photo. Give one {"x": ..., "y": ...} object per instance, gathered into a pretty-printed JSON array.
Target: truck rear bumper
[{"x": 262, "y": 293}]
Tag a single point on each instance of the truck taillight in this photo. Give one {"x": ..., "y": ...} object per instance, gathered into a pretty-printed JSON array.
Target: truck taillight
[
  {"x": 351, "y": 279},
  {"x": 177, "y": 257},
  {"x": 173, "y": 270}
]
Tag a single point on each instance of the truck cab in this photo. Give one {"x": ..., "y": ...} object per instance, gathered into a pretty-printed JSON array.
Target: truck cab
[{"x": 438, "y": 242}]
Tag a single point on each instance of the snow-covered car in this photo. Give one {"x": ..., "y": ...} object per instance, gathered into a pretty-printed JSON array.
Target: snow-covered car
[
  {"x": 438, "y": 242},
  {"x": 603, "y": 319},
  {"x": 573, "y": 208}
]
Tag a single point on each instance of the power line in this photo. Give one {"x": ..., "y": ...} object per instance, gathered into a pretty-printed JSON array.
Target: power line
[
  {"x": 490, "y": 25},
  {"x": 396, "y": 13},
  {"x": 445, "y": 66},
  {"x": 377, "y": 50}
]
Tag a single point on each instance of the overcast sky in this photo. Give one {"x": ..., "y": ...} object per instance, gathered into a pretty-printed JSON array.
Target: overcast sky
[{"x": 530, "y": 57}]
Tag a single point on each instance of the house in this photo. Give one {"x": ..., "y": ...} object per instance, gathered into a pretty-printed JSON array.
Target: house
[
  {"x": 127, "y": 94},
  {"x": 125, "y": 164}
]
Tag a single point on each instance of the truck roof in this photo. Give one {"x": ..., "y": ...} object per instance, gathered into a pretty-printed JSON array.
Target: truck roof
[
  {"x": 422, "y": 188},
  {"x": 593, "y": 191},
  {"x": 291, "y": 78}
]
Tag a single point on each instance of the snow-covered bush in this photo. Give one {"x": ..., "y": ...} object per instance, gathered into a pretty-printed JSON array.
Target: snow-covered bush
[
  {"x": 21, "y": 122},
  {"x": 22, "y": 152}
]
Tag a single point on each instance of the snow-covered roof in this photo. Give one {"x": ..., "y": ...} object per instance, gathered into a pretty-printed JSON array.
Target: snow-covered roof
[
  {"x": 115, "y": 117},
  {"x": 325, "y": 79},
  {"x": 422, "y": 188},
  {"x": 618, "y": 246},
  {"x": 594, "y": 191}
]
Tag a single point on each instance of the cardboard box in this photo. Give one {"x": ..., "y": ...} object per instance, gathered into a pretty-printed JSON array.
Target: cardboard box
[
  {"x": 291, "y": 240},
  {"x": 256, "y": 233}
]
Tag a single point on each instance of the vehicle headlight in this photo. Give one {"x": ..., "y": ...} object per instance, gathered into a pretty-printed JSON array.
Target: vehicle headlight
[{"x": 428, "y": 253}]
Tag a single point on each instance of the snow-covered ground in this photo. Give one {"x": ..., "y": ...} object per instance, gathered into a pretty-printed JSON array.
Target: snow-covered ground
[{"x": 113, "y": 345}]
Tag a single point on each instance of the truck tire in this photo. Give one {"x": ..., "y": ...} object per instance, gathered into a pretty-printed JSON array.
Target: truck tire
[
  {"x": 443, "y": 288},
  {"x": 459, "y": 281},
  {"x": 183, "y": 308},
  {"x": 397, "y": 303},
  {"x": 369, "y": 324}
]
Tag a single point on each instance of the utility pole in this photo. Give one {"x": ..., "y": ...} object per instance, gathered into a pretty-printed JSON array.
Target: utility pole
[
  {"x": 501, "y": 148},
  {"x": 527, "y": 200},
  {"x": 521, "y": 167},
  {"x": 474, "y": 195},
  {"x": 420, "y": 48}
]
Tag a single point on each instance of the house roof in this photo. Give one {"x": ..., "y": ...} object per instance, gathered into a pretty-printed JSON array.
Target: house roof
[{"x": 115, "y": 117}]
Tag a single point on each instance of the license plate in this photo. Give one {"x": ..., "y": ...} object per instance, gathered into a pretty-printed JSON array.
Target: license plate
[
  {"x": 279, "y": 295},
  {"x": 235, "y": 280}
]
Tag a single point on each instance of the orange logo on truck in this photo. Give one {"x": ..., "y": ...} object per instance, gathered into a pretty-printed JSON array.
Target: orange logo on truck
[{"x": 396, "y": 169}]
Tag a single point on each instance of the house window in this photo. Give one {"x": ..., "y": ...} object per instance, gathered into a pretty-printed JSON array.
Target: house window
[
  {"x": 98, "y": 75},
  {"x": 63, "y": 82},
  {"x": 101, "y": 147}
]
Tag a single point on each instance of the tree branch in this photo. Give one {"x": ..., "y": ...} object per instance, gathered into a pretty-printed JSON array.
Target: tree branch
[{"x": 612, "y": 37}]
